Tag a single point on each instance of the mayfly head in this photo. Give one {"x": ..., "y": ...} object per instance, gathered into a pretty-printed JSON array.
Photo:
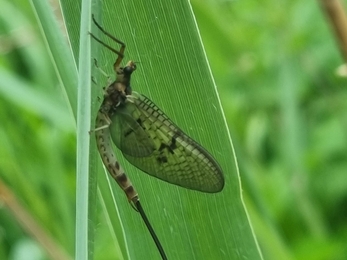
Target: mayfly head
[
  {"x": 126, "y": 71},
  {"x": 129, "y": 68},
  {"x": 123, "y": 77}
]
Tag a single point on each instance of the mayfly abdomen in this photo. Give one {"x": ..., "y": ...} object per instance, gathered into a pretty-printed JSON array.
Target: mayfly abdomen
[{"x": 108, "y": 157}]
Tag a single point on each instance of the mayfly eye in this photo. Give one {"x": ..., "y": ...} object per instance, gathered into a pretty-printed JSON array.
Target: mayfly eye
[{"x": 128, "y": 70}]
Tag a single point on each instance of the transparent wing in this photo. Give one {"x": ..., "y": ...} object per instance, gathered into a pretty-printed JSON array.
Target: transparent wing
[
  {"x": 127, "y": 133},
  {"x": 176, "y": 158}
]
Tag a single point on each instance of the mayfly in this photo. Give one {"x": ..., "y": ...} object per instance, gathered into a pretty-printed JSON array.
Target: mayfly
[{"x": 148, "y": 139}]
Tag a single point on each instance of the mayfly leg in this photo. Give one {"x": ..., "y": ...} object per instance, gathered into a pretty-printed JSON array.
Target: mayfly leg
[{"x": 120, "y": 53}]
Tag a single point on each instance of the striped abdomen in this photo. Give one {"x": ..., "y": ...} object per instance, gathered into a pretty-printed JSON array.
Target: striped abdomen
[{"x": 104, "y": 144}]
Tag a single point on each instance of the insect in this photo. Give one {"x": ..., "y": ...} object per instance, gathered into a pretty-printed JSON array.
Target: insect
[{"x": 148, "y": 139}]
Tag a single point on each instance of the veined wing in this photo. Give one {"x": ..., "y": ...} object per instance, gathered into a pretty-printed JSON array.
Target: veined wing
[
  {"x": 128, "y": 134},
  {"x": 174, "y": 156}
]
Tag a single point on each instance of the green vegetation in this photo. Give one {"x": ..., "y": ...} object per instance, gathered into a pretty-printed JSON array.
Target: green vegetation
[{"x": 275, "y": 71}]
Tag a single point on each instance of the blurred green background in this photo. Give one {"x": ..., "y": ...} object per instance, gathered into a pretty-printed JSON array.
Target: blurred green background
[{"x": 275, "y": 66}]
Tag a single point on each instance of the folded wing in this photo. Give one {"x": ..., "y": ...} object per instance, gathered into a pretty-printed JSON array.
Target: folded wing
[{"x": 153, "y": 143}]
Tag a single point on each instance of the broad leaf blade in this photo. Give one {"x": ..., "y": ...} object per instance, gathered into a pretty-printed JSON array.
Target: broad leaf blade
[{"x": 174, "y": 73}]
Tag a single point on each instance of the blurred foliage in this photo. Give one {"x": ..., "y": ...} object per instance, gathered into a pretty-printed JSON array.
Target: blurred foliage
[{"x": 274, "y": 63}]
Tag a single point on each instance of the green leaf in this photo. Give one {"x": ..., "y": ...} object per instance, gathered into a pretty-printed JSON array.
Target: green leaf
[
  {"x": 173, "y": 71},
  {"x": 276, "y": 83}
]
